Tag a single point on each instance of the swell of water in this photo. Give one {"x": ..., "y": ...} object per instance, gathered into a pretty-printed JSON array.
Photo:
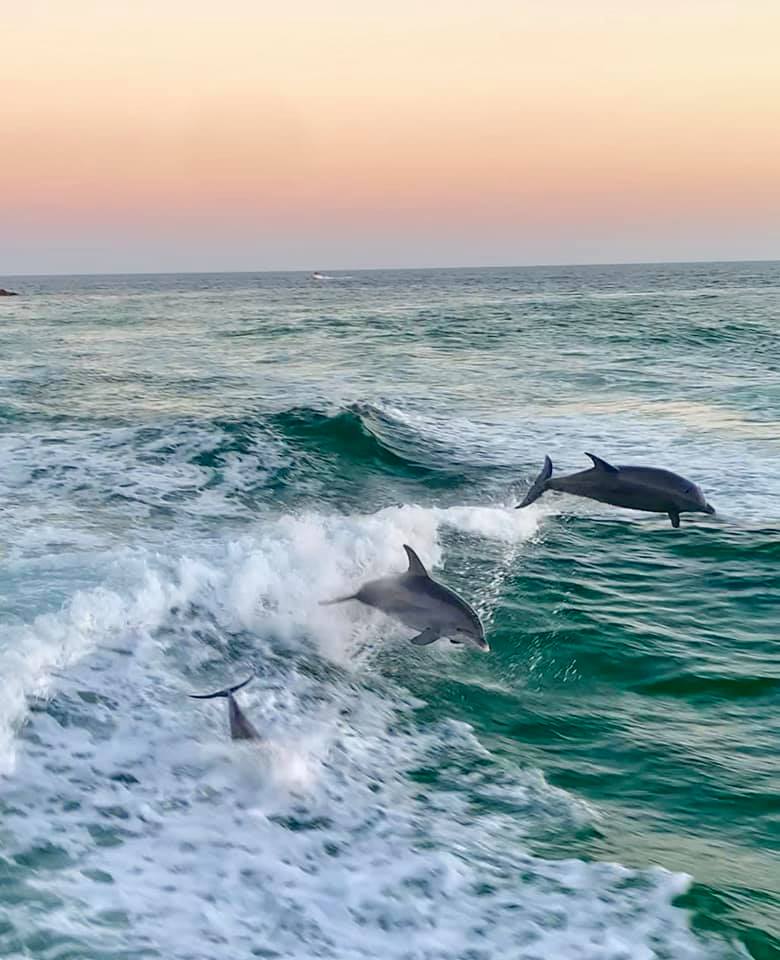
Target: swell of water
[{"x": 189, "y": 464}]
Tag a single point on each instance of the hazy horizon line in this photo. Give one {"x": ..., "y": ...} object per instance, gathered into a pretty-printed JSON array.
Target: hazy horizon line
[{"x": 404, "y": 269}]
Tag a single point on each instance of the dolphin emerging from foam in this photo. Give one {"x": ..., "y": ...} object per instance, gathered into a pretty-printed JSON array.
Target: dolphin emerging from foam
[
  {"x": 240, "y": 727},
  {"x": 638, "y": 488},
  {"x": 423, "y": 604}
]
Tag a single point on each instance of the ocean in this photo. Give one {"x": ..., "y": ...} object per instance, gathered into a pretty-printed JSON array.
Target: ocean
[{"x": 190, "y": 463}]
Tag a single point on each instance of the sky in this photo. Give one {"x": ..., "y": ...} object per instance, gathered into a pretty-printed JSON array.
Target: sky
[{"x": 324, "y": 134}]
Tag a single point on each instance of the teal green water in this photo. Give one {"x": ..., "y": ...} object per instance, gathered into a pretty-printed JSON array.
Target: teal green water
[{"x": 190, "y": 463}]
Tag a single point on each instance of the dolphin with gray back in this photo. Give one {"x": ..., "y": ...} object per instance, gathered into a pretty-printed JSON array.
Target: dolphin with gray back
[
  {"x": 240, "y": 727},
  {"x": 637, "y": 488},
  {"x": 422, "y": 603}
]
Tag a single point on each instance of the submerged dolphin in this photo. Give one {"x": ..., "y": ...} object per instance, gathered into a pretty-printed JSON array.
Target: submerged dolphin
[
  {"x": 420, "y": 602},
  {"x": 240, "y": 727},
  {"x": 638, "y": 488}
]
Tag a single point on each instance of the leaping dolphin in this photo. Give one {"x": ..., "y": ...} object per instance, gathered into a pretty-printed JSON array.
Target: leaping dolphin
[
  {"x": 423, "y": 604},
  {"x": 638, "y": 488},
  {"x": 240, "y": 727}
]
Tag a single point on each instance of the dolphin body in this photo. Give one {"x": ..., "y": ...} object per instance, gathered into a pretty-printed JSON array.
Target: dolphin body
[
  {"x": 423, "y": 604},
  {"x": 638, "y": 488},
  {"x": 240, "y": 727}
]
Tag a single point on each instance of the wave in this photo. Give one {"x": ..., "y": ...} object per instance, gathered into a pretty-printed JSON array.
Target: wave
[
  {"x": 193, "y": 470},
  {"x": 326, "y": 840},
  {"x": 712, "y": 687},
  {"x": 368, "y": 436},
  {"x": 269, "y": 582}
]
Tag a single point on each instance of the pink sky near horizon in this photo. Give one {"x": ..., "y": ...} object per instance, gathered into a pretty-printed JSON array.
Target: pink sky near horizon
[{"x": 254, "y": 135}]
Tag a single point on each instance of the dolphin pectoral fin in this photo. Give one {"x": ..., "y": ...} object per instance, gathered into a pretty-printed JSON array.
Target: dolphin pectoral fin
[
  {"x": 428, "y": 635},
  {"x": 674, "y": 516},
  {"x": 416, "y": 568},
  {"x": 539, "y": 485},
  {"x": 600, "y": 464}
]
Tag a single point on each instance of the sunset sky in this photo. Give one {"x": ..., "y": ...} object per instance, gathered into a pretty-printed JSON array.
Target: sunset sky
[{"x": 238, "y": 135}]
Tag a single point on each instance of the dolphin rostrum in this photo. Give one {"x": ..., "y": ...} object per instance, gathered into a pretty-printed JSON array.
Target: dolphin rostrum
[
  {"x": 423, "y": 604},
  {"x": 240, "y": 727},
  {"x": 638, "y": 488}
]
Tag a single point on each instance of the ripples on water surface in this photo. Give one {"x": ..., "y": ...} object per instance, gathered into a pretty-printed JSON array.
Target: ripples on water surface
[{"x": 189, "y": 463}]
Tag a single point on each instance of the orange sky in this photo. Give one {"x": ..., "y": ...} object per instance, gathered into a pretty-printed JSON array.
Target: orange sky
[{"x": 246, "y": 135}]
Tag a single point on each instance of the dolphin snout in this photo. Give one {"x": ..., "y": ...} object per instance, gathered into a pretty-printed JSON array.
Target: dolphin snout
[{"x": 708, "y": 508}]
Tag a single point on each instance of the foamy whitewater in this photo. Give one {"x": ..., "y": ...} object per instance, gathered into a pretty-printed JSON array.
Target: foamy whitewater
[{"x": 189, "y": 465}]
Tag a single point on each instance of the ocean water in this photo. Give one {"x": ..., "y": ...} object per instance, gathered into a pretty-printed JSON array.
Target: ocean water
[{"x": 188, "y": 464}]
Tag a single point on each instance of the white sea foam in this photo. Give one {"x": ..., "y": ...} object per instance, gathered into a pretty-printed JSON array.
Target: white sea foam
[
  {"x": 319, "y": 841},
  {"x": 112, "y": 477},
  {"x": 269, "y": 582}
]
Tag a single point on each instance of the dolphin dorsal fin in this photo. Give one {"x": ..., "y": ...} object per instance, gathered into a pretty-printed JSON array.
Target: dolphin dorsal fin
[
  {"x": 416, "y": 568},
  {"x": 600, "y": 464}
]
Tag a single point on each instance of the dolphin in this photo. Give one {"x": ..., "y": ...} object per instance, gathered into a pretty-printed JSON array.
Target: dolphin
[
  {"x": 638, "y": 488},
  {"x": 423, "y": 604},
  {"x": 240, "y": 727}
]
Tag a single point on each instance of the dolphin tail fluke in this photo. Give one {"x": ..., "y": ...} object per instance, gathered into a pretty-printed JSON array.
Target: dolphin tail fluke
[
  {"x": 329, "y": 603},
  {"x": 227, "y": 692},
  {"x": 539, "y": 485}
]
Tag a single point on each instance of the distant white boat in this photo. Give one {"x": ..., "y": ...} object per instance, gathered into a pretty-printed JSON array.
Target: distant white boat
[{"x": 327, "y": 276}]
